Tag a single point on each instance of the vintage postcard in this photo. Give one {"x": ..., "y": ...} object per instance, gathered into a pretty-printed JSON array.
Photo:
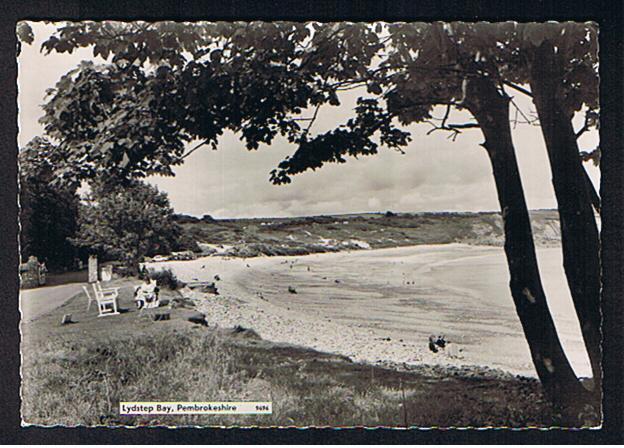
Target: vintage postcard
[{"x": 306, "y": 224}]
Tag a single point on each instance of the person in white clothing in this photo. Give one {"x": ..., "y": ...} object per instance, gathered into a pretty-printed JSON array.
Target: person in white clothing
[{"x": 146, "y": 294}]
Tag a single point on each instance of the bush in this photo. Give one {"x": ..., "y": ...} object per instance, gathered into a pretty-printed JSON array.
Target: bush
[
  {"x": 165, "y": 278},
  {"x": 123, "y": 271}
]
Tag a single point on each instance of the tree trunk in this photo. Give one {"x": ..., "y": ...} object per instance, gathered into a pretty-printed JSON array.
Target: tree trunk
[
  {"x": 579, "y": 233},
  {"x": 593, "y": 194},
  {"x": 491, "y": 110}
]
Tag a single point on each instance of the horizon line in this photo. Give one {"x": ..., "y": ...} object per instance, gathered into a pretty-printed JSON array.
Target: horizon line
[{"x": 357, "y": 213}]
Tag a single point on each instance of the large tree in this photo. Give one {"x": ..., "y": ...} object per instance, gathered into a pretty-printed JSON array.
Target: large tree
[
  {"x": 563, "y": 78},
  {"x": 48, "y": 212},
  {"x": 167, "y": 84},
  {"x": 470, "y": 67},
  {"x": 558, "y": 62},
  {"x": 127, "y": 222}
]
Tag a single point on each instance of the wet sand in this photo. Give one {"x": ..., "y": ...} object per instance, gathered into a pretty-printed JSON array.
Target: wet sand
[{"x": 381, "y": 305}]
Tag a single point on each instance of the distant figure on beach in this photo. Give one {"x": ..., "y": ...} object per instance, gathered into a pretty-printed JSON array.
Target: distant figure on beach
[
  {"x": 432, "y": 344},
  {"x": 435, "y": 342},
  {"x": 441, "y": 341}
]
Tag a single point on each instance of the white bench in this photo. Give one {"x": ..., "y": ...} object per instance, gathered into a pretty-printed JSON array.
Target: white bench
[{"x": 106, "y": 299}]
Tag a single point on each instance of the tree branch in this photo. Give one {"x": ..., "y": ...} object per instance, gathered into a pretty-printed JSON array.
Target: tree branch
[
  {"x": 191, "y": 151},
  {"x": 464, "y": 126},
  {"x": 446, "y": 115},
  {"x": 518, "y": 88},
  {"x": 312, "y": 120},
  {"x": 351, "y": 87},
  {"x": 453, "y": 128},
  {"x": 587, "y": 124},
  {"x": 527, "y": 119}
]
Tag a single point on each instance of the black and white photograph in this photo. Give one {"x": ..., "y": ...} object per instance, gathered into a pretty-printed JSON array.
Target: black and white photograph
[{"x": 281, "y": 224}]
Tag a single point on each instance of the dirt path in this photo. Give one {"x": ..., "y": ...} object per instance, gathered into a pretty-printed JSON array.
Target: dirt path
[{"x": 38, "y": 302}]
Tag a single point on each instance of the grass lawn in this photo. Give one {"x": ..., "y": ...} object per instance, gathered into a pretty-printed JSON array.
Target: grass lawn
[
  {"x": 77, "y": 374},
  {"x": 63, "y": 278}
]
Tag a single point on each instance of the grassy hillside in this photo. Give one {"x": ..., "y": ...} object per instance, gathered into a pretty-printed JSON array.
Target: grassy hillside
[{"x": 299, "y": 236}]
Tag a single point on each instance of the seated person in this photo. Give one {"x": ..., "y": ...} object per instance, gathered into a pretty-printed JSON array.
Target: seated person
[{"x": 146, "y": 294}]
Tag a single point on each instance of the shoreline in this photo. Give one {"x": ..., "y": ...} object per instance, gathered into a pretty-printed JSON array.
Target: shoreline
[
  {"x": 375, "y": 306},
  {"x": 362, "y": 350},
  {"x": 238, "y": 304}
]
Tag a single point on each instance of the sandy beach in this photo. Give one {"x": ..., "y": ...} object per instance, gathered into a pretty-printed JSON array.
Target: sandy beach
[{"x": 380, "y": 306}]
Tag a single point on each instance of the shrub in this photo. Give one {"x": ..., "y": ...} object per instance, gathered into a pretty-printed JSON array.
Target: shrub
[
  {"x": 123, "y": 271},
  {"x": 165, "y": 278}
]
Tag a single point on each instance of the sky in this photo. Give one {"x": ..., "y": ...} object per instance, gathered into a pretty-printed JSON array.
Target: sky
[{"x": 434, "y": 174}]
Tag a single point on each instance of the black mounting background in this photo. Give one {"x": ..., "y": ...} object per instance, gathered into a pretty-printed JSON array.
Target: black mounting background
[{"x": 608, "y": 14}]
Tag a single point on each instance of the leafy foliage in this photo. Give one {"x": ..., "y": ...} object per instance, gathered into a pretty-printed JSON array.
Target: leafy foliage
[
  {"x": 24, "y": 34},
  {"x": 165, "y": 278},
  {"x": 428, "y": 64},
  {"x": 352, "y": 139},
  {"x": 127, "y": 223},
  {"x": 47, "y": 212},
  {"x": 165, "y": 84},
  {"x": 169, "y": 83},
  {"x": 113, "y": 121}
]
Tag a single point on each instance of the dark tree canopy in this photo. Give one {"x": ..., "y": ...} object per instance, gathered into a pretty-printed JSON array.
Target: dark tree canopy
[
  {"x": 166, "y": 84},
  {"x": 24, "y": 35},
  {"x": 48, "y": 212}
]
